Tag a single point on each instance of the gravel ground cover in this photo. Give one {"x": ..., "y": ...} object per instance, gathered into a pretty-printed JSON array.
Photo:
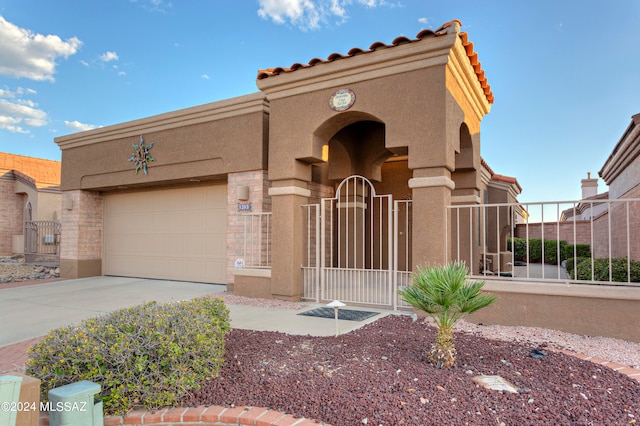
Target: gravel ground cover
[
  {"x": 378, "y": 375},
  {"x": 614, "y": 350},
  {"x": 13, "y": 269}
]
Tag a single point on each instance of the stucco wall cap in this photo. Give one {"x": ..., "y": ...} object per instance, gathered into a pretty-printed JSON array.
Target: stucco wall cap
[
  {"x": 426, "y": 182},
  {"x": 451, "y": 27},
  {"x": 289, "y": 190},
  {"x": 233, "y": 107}
]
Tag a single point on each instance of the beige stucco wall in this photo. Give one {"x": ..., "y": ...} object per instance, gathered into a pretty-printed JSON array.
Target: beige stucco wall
[
  {"x": 11, "y": 214},
  {"x": 49, "y": 204},
  {"x": 190, "y": 146},
  {"x": 610, "y": 311},
  {"x": 204, "y": 142}
]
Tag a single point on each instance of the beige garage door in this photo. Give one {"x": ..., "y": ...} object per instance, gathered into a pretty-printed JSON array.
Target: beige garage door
[{"x": 175, "y": 234}]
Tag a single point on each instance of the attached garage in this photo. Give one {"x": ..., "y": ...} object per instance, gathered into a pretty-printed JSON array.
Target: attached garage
[{"x": 176, "y": 234}]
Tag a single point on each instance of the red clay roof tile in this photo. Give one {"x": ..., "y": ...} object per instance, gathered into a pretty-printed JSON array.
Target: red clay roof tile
[
  {"x": 44, "y": 172},
  {"x": 468, "y": 46}
]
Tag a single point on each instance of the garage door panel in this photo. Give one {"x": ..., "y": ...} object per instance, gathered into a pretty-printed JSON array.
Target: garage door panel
[
  {"x": 130, "y": 224},
  {"x": 177, "y": 234},
  {"x": 169, "y": 222},
  {"x": 214, "y": 248},
  {"x": 195, "y": 222}
]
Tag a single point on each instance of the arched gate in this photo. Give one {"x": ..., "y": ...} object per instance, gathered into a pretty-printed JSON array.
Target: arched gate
[{"x": 358, "y": 246}]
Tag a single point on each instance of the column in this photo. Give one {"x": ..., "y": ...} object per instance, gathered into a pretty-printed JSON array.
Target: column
[
  {"x": 431, "y": 193},
  {"x": 287, "y": 244},
  {"x": 81, "y": 245}
]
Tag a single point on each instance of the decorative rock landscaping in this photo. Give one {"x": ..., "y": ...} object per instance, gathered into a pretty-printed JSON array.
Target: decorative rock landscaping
[{"x": 13, "y": 269}]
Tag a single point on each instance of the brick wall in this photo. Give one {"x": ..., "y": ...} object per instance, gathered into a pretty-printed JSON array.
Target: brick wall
[
  {"x": 81, "y": 225},
  {"x": 623, "y": 219},
  {"x": 566, "y": 231},
  {"x": 258, "y": 184},
  {"x": 11, "y": 215}
]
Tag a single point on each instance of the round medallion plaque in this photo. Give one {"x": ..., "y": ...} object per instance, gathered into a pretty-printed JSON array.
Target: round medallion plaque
[{"x": 342, "y": 100}]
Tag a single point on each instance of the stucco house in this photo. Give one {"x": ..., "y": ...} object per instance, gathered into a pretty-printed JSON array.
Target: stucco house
[
  {"x": 621, "y": 223},
  {"x": 327, "y": 152},
  {"x": 29, "y": 191}
]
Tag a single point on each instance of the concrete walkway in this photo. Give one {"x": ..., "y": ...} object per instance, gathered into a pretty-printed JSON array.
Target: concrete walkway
[
  {"x": 29, "y": 312},
  {"x": 32, "y": 311},
  {"x": 538, "y": 270}
]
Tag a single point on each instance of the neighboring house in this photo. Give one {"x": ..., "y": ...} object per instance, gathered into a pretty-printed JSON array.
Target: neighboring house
[
  {"x": 29, "y": 190},
  {"x": 357, "y": 134},
  {"x": 621, "y": 223},
  {"x": 501, "y": 219},
  {"x": 610, "y": 221},
  {"x": 590, "y": 205}
]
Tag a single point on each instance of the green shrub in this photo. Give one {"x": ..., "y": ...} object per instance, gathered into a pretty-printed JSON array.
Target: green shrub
[
  {"x": 535, "y": 250},
  {"x": 581, "y": 250},
  {"x": 571, "y": 261},
  {"x": 619, "y": 272},
  {"x": 518, "y": 246},
  {"x": 550, "y": 250},
  {"x": 146, "y": 356}
]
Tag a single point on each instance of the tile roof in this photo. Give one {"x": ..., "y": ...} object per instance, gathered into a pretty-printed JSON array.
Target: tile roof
[
  {"x": 44, "y": 172},
  {"x": 500, "y": 178},
  {"x": 468, "y": 46}
]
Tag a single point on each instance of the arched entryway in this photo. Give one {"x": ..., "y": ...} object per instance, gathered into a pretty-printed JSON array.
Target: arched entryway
[
  {"x": 358, "y": 232},
  {"x": 358, "y": 245}
]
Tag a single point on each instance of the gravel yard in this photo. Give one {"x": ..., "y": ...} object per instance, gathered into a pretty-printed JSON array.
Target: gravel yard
[
  {"x": 615, "y": 350},
  {"x": 13, "y": 269},
  {"x": 378, "y": 375}
]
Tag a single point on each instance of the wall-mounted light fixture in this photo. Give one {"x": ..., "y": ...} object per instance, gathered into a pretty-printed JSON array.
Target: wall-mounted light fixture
[{"x": 243, "y": 193}]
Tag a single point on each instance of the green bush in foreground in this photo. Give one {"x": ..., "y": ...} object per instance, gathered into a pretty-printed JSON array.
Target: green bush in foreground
[
  {"x": 619, "y": 270},
  {"x": 146, "y": 356}
]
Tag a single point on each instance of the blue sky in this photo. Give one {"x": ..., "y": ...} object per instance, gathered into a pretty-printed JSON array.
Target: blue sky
[{"x": 564, "y": 73}]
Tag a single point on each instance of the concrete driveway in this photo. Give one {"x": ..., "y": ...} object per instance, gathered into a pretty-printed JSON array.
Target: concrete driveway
[{"x": 32, "y": 311}]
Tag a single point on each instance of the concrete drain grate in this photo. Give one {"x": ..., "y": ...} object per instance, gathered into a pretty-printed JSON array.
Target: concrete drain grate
[{"x": 343, "y": 314}]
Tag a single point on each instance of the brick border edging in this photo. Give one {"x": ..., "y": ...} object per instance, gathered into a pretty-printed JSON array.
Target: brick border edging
[
  {"x": 630, "y": 372},
  {"x": 205, "y": 416}
]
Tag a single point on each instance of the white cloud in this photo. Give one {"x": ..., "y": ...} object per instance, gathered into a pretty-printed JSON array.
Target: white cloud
[
  {"x": 17, "y": 113},
  {"x": 109, "y": 56},
  {"x": 24, "y": 54},
  {"x": 205, "y": 77},
  {"x": 78, "y": 126},
  {"x": 154, "y": 5},
  {"x": 423, "y": 21},
  {"x": 309, "y": 14}
]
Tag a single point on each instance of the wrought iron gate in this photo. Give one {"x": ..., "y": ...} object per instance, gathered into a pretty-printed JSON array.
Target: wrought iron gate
[
  {"x": 358, "y": 246},
  {"x": 42, "y": 241}
]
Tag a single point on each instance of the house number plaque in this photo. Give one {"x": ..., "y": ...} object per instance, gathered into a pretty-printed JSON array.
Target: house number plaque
[{"x": 342, "y": 100}]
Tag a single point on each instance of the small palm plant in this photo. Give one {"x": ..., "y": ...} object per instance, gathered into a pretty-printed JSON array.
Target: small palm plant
[{"x": 444, "y": 293}]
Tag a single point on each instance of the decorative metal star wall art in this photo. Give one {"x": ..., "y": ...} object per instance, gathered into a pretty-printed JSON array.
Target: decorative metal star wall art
[{"x": 141, "y": 156}]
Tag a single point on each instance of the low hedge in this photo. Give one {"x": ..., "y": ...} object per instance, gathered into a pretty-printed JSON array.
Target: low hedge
[
  {"x": 581, "y": 250},
  {"x": 619, "y": 269},
  {"x": 146, "y": 356},
  {"x": 550, "y": 250}
]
